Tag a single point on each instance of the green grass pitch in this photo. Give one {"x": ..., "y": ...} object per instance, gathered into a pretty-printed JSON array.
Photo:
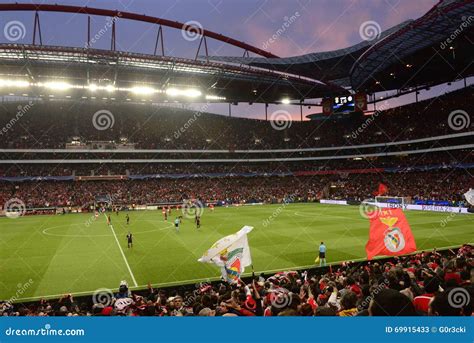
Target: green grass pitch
[{"x": 74, "y": 253}]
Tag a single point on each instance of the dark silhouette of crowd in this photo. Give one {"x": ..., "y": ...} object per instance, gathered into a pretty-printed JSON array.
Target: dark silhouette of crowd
[{"x": 53, "y": 124}]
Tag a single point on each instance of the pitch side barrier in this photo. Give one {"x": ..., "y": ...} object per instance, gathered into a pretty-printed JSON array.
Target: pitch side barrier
[{"x": 412, "y": 207}]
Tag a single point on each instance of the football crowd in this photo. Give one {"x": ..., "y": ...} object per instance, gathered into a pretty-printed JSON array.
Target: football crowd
[
  {"x": 435, "y": 283},
  {"x": 447, "y": 186},
  {"x": 151, "y": 127}
]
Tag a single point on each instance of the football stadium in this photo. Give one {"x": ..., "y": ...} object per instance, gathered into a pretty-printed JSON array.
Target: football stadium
[{"x": 173, "y": 159}]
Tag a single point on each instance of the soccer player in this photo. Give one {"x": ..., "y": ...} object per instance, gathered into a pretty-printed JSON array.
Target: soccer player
[
  {"x": 130, "y": 239},
  {"x": 198, "y": 222},
  {"x": 128, "y": 219},
  {"x": 176, "y": 224},
  {"x": 109, "y": 221},
  {"x": 322, "y": 254}
]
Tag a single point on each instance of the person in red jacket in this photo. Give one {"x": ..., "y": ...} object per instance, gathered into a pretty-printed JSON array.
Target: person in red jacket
[{"x": 422, "y": 302}]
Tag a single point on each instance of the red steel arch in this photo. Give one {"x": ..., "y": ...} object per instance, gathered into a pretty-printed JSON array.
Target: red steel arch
[{"x": 137, "y": 17}]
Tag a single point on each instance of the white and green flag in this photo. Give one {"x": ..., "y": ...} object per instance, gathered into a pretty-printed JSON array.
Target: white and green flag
[
  {"x": 469, "y": 195},
  {"x": 231, "y": 254}
]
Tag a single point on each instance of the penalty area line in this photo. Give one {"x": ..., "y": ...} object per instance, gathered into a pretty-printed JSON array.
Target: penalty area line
[{"x": 123, "y": 254}]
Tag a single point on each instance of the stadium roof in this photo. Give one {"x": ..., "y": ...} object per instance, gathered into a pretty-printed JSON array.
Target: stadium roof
[
  {"x": 436, "y": 48},
  {"x": 331, "y": 66},
  {"x": 372, "y": 64},
  {"x": 82, "y": 66},
  {"x": 79, "y": 67}
]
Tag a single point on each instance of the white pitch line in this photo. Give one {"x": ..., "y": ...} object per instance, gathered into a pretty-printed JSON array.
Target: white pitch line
[{"x": 123, "y": 254}]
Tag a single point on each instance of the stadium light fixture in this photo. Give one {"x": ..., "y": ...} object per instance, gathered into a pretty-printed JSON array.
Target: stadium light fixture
[
  {"x": 192, "y": 93},
  {"x": 93, "y": 87},
  {"x": 110, "y": 88},
  {"x": 54, "y": 85},
  {"x": 142, "y": 90},
  {"x": 14, "y": 83},
  {"x": 172, "y": 92},
  {"x": 215, "y": 97},
  {"x": 285, "y": 101}
]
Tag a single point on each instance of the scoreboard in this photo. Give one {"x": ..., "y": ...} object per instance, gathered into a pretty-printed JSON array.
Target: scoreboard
[{"x": 345, "y": 104}]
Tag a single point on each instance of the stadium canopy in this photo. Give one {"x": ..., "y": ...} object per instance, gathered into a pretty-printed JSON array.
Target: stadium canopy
[
  {"x": 333, "y": 66},
  {"x": 167, "y": 77},
  {"x": 436, "y": 48}
]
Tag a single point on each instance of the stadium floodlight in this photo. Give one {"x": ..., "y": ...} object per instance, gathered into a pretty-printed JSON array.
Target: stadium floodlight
[
  {"x": 142, "y": 90},
  {"x": 215, "y": 97},
  {"x": 14, "y": 83},
  {"x": 55, "y": 85},
  {"x": 172, "y": 92},
  {"x": 92, "y": 87},
  {"x": 110, "y": 88},
  {"x": 285, "y": 101},
  {"x": 192, "y": 93}
]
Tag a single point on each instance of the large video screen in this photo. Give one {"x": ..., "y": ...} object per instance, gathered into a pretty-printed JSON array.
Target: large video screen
[{"x": 343, "y": 104}]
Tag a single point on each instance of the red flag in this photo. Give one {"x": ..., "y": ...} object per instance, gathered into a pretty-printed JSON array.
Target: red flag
[
  {"x": 390, "y": 234},
  {"x": 383, "y": 189}
]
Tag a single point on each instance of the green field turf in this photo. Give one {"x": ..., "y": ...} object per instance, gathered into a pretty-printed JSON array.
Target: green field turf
[{"x": 62, "y": 254}]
